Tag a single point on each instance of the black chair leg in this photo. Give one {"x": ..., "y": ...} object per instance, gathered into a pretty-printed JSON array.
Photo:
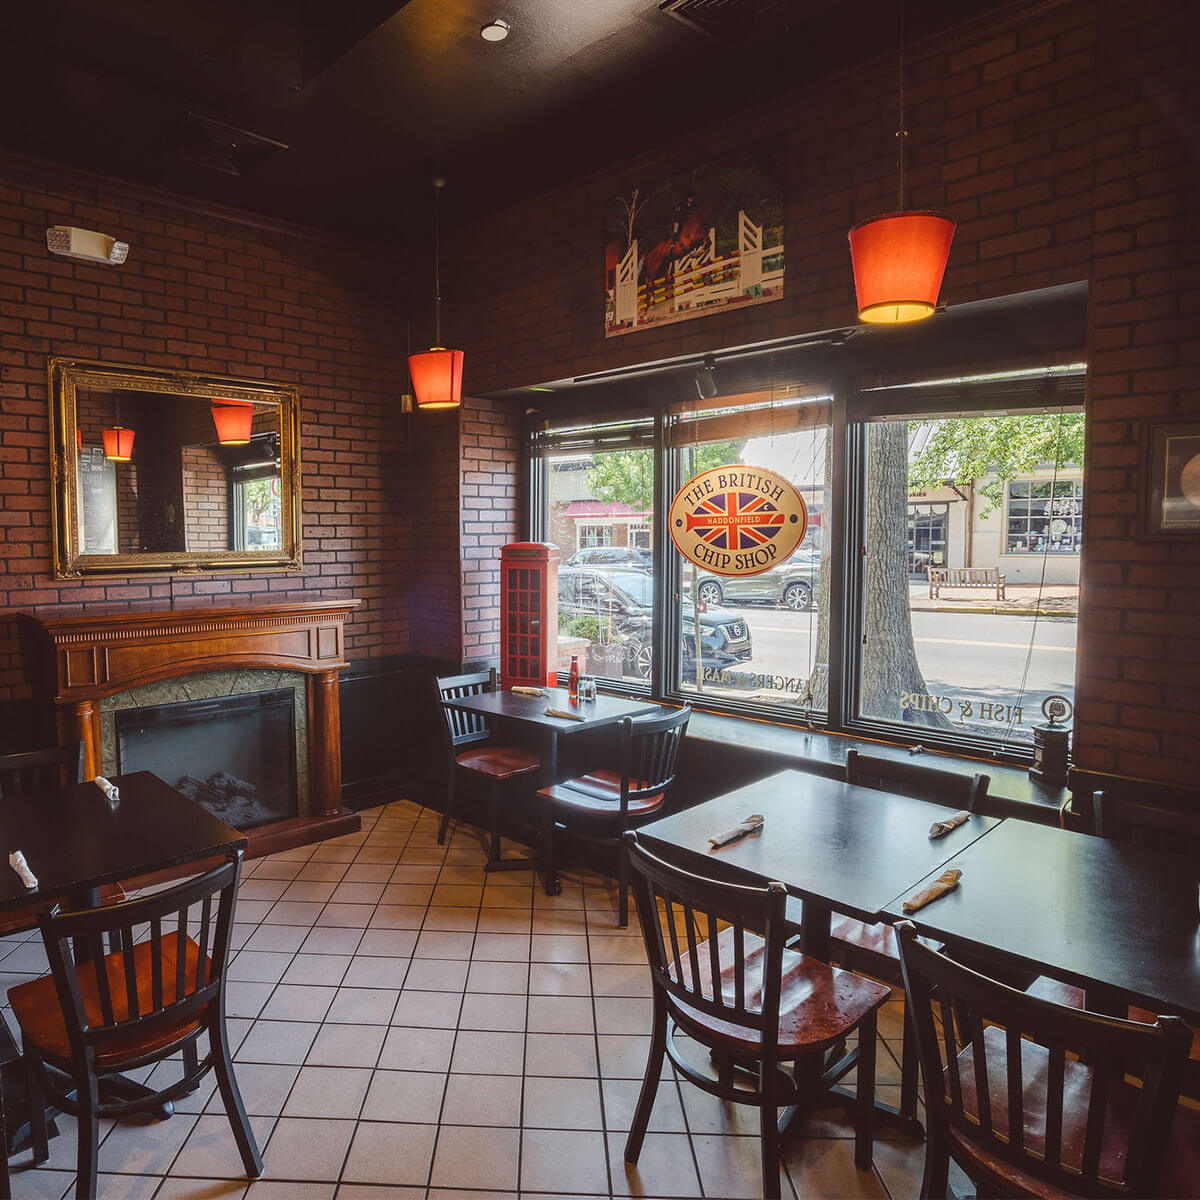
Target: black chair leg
[
  {"x": 191, "y": 1059},
  {"x": 909, "y": 1070},
  {"x": 88, "y": 1099},
  {"x": 231, "y": 1096},
  {"x": 547, "y": 823},
  {"x": 622, "y": 885},
  {"x": 447, "y": 810},
  {"x": 654, "y": 1065},
  {"x": 494, "y": 814},
  {"x": 5, "y": 1185},
  {"x": 935, "y": 1183},
  {"x": 37, "y": 1108},
  {"x": 864, "y": 1127},
  {"x": 768, "y": 1115}
]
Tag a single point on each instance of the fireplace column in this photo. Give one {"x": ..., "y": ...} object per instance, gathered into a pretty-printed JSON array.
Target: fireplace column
[
  {"x": 324, "y": 742},
  {"x": 82, "y": 724}
]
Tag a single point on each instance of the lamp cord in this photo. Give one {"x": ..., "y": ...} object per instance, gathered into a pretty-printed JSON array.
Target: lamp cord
[
  {"x": 437, "y": 266},
  {"x": 901, "y": 133}
]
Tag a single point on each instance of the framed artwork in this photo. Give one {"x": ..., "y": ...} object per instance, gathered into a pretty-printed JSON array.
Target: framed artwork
[
  {"x": 1173, "y": 478},
  {"x": 700, "y": 241}
]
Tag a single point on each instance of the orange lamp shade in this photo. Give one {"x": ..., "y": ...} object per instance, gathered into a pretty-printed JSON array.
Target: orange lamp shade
[
  {"x": 899, "y": 260},
  {"x": 118, "y": 443},
  {"x": 437, "y": 377},
  {"x": 234, "y": 420}
]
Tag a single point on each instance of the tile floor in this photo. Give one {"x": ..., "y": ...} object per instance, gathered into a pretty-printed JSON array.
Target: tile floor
[{"x": 407, "y": 1027}]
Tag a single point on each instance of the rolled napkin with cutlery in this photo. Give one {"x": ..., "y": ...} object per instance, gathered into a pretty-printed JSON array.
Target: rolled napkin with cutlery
[
  {"x": 941, "y": 828},
  {"x": 528, "y": 691},
  {"x": 564, "y": 716},
  {"x": 16, "y": 860},
  {"x": 751, "y": 824},
  {"x": 111, "y": 792},
  {"x": 947, "y": 881}
]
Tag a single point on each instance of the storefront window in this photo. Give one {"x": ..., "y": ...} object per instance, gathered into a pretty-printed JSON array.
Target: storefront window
[{"x": 972, "y": 650}]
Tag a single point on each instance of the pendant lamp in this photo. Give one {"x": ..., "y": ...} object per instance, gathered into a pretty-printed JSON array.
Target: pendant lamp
[
  {"x": 899, "y": 258},
  {"x": 118, "y": 443},
  {"x": 233, "y": 420},
  {"x": 437, "y": 372}
]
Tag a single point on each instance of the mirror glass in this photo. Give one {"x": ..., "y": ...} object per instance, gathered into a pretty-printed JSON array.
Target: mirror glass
[{"x": 178, "y": 472}]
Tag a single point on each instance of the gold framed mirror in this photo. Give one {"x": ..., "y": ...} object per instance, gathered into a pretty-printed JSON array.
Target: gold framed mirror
[{"x": 170, "y": 471}]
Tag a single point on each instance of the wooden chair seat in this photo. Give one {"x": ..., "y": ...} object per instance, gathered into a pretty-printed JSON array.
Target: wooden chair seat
[
  {"x": 598, "y": 794},
  {"x": 498, "y": 762},
  {"x": 1066, "y": 994},
  {"x": 879, "y": 939},
  {"x": 819, "y": 1005},
  {"x": 1181, "y": 1167},
  {"x": 38, "y": 1012}
]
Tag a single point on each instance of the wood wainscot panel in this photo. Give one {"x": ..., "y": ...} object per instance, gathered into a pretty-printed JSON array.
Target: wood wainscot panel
[{"x": 85, "y": 657}]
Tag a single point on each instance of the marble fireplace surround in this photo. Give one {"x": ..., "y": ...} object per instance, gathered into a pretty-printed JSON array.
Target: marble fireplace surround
[{"x": 98, "y": 660}]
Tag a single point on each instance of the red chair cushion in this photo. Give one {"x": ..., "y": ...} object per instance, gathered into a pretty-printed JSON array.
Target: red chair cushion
[
  {"x": 1181, "y": 1168},
  {"x": 35, "y": 1005},
  {"x": 598, "y": 794},
  {"x": 818, "y": 1004},
  {"x": 498, "y": 762}
]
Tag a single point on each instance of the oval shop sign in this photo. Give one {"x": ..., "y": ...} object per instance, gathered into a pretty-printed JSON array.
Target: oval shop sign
[{"x": 737, "y": 520}]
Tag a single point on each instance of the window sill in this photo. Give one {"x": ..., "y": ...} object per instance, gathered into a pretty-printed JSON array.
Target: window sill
[{"x": 1011, "y": 791}]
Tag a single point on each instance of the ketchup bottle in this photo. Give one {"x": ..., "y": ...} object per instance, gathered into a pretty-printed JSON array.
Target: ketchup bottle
[{"x": 573, "y": 680}]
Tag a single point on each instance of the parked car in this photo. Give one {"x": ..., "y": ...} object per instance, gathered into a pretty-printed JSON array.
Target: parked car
[
  {"x": 621, "y": 599},
  {"x": 793, "y": 583},
  {"x": 611, "y": 556}
]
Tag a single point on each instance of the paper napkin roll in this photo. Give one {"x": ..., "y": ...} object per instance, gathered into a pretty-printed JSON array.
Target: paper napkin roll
[
  {"x": 941, "y": 828},
  {"x": 16, "y": 860},
  {"x": 528, "y": 691},
  {"x": 563, "y": 716},
  {"x": 751, "y": 824},
  {"x": 946, "y": 882},
  {"x": 111, "y": 792}
]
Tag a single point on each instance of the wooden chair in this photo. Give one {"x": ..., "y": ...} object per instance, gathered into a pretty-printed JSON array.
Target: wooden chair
[
  {"x": 600, "y": 806},
  {"x": 37, "y": 771},
  {"x": 475, "y": 755},
  {"x": 752, "y": 1003},
  {"x": 152, "y": 999},
  {"x": 873, "y": 948},
  {"x": 1032, "y": 1099},
  {"x": 1138, "y": 822}
]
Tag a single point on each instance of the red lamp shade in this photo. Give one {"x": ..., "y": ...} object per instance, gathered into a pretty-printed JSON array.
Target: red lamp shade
[
  {"x": 437, "y": 377},
  {"x": 899, "y": 260},
  {"x": 233, "y": 420},
  {"x": 118, "y": 443}
]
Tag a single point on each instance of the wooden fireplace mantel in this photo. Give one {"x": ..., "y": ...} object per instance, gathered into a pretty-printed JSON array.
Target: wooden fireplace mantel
[{"x": 83, "y": 657}]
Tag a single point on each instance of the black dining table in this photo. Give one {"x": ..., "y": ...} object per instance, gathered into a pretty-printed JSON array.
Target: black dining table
[
  {"x": 1120, "y": 921},
  {"x": 529, "y": 712},
  {"x": 834, "y": 845},
  {"x": 75, "y": 841}
]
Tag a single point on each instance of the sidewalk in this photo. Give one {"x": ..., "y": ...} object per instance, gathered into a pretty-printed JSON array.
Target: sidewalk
[{"x": 1021, "y": 599}]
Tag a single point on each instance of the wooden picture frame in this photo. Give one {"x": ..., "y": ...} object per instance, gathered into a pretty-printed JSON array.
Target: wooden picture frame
[{"x": 1172, "y": 479}]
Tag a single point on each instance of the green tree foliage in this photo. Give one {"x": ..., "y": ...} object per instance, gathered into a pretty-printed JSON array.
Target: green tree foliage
[
  {"x": 965, "y": 449},
  {"x": 627, "y": 476}
]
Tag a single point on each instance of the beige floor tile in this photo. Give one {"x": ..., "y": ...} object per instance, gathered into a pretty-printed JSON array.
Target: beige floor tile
[
  {"x": 137, "y": 1146},
  {"x": 294, "y": 912},
  {"x": 825, "y": 1167},
  {"x": 270, "y": 1189},
  {"x": 204, "y": 1189},
  {"x": 391, "y": 916},
  {"x": 624, "y": 1014},
  {"x": 482, "y": 1100},
  {"x": 210, "y": 1151},
  {"x": 432, "y": 1010},
  {"x": 319, "y": 872},
  {"x": 371, "y": 971},
  {"x": 476, "y": 1158},
  {"x": 623, "y": 1055},
  {"x": 439, "y": 975},
  {"x": 619, "y": 980},
  {"x": 318, "y": 969},
  {"x": 246, "y": 999},
  {"x": 264, "y": 1088},
  {"x": 345, "y": 916},
  {"x": 413, "y": 1049},
  {"x": 506, "y": 978},
  {"x": 563, "y": 1160},
  {"x": 312, "y": 1150},
  {"x": 258, "y": 966},
  {"x": 620, "y": 1101},
  {"x": 568, "y": 1054},
  {"x": 493, "y": 1012},
  {"x": 444, "y": 944},
  {"x": 561, "y": 1014},
  {"x": 309, "y": 890},
  {"x": 477, "y": 1052},
  {"x": 503, "y": 919},
  {"x": 328, "y": 1092},
  {"x": 299, "y": 1002},
  {"x": 664, "y": 1167},
  {"x": 390, "y": 1154},
  {"x": 388, "y": 943},
  {"x": 561, "y": 1103},
  {"x": 501, "y": 947},
  {"x": 362, "y": 1006},
  {"x": 284, "y": 938},
  {"x": 361, "y": 891},
  {"x": 346, "y": 1046},
  {"x": 414, "y": 1097},
  {"x": 375, "y": 1191},
  {"x": 560, "y": 979},
  {"x": 451, "y": 918},
  {"x": 558, "y": 948},
  {"x": 277, "y": 1042},
  {"x": 332, "y": 941},
  {"x": 608, "y": 948}
]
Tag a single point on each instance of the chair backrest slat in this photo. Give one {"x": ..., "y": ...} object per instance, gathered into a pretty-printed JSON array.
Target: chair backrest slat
[
  {"x": 1159, "y": 824},
  {"x": 650, "y": 753},
  {"x": 205, "y": 932},
  {"x": 907, "y": 778},
  {"x": 129, "y": 963},
  {"x": 1017, "y": 1057},
  {"x": 96, "y": 966},
  {"x": 464, "y": 728}
]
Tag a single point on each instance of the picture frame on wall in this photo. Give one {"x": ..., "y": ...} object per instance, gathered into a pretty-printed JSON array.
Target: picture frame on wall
[{"x": 1172, "y": 489}]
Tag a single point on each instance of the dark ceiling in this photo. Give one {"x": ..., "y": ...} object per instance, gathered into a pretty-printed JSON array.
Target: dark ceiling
[{"x": 338, "y": 113}]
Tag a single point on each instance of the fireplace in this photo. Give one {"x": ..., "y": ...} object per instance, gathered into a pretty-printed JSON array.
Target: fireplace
[{"x": 233, "y": 755}]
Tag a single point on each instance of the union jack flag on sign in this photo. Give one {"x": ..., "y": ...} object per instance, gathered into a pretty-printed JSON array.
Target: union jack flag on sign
[{"x": 737, "y": 520}]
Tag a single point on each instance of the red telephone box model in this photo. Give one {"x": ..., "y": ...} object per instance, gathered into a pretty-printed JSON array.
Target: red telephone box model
[{"x": 528, "y": 613}]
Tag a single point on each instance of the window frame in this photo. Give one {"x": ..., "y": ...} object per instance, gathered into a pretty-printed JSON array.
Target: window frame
[
  {"x": 853, "y": 407},
  {"x": 1034, "y": 481}
]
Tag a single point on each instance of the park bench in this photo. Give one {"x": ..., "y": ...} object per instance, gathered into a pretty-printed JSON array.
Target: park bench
[{"x": 965, "y": 577}]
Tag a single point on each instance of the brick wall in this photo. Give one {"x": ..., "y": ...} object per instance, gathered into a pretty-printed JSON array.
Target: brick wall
[
  {"x": 205, "y": 500},
  {"x": 1061, "y": 137},
  {"x": 222, "y": 295}
]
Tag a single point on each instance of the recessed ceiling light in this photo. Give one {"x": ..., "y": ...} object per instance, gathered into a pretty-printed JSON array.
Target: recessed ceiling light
[{"x": 495, "y": 31}]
